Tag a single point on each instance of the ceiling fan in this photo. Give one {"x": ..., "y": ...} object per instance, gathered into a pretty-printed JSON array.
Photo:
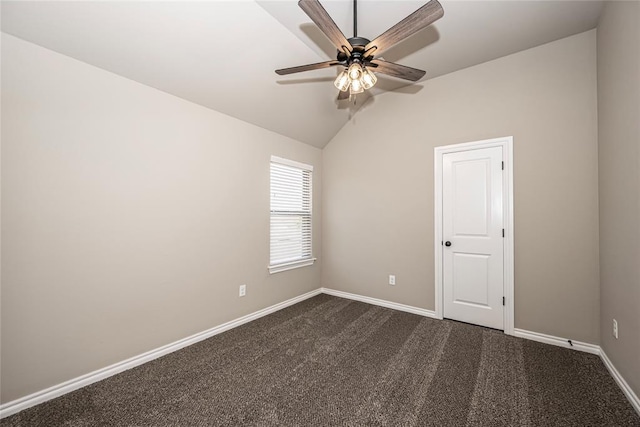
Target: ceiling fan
[{"x": 357, "y": 54}]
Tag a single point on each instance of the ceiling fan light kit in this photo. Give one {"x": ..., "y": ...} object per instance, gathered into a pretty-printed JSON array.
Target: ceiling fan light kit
[
  {"x": 356, "y": 78},
  {"x": 356, "y": 54}
]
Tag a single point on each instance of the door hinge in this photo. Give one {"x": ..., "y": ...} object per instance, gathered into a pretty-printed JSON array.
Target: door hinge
[
  {"x": 503, "y": 303},
  {"x": 502, "y": 165},
  {"x": 503, "y": 232}
]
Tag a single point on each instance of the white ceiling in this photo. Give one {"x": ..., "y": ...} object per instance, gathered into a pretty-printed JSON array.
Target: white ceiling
[{"x": 222, "y": 54}]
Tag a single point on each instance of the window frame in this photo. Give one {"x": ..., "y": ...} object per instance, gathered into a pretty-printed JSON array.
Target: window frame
[{"x": 297, "y": 263}]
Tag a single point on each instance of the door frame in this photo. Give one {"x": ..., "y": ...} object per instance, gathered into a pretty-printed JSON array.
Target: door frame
[{"x": 507, "y": 191}]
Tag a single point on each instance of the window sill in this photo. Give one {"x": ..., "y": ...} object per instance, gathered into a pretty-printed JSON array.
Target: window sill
[{"x": 291, "y": 265}]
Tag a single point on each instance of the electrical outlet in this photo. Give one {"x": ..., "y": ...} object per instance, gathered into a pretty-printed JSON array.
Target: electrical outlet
[
  {"x": 615, "y": 328},
  {"x": 243, "y": 290},
  {"x": 392, "y": 280}
]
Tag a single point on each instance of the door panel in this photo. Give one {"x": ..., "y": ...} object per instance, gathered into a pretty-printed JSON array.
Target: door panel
[
  {"x": 470, "y": 198},
  {"x": 472, "y": 223},
  {"x": 471, "y": 279}
]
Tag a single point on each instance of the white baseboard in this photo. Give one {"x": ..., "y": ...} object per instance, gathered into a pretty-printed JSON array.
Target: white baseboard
[
  {"x": 560, "y": 342},
  {"x": 522, "y": 333},
  {"x": 18, "y": 405},
  {"x": 633, "y": 398},
  {"x": 25, "y": 402},
  {"x": 380, "y": 302},
  {"x": 587, "y": 348}
]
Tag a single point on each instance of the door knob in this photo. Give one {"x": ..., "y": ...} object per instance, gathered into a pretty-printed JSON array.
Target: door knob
[{"x": 447, "y": 243}]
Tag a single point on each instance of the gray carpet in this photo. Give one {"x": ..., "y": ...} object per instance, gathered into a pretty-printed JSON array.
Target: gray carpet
[{"x": 331, "y": 361}]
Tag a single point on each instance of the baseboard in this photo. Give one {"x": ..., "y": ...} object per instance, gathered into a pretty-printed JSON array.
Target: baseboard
[
  {"x": 587, "y": 348},
  {"x": 380, "y": 302},
  {"x": 522, "y": 333},
  {"x": 18, "y": 405},
  {"x": 557, "y": 341},
  {"x": 626, "y": 389}
]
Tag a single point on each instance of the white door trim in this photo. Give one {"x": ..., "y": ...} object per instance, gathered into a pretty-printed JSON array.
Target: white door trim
[{"x": 507, "y": 152}]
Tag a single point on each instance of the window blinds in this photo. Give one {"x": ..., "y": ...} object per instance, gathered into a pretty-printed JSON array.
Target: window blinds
[{"x": 291, "y": 187}]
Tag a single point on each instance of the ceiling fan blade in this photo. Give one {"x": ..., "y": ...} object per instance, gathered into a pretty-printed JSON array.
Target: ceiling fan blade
[
  {"x": 308, "y": 67},
  {"x": 397, "y": 70},
  {"x": 343, "y": 95},
  {"x": 321, "y": 18},
  {"x": 419, "y": 19}
]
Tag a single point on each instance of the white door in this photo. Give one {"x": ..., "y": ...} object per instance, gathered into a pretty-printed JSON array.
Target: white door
[{"x": 472, "y": 231}]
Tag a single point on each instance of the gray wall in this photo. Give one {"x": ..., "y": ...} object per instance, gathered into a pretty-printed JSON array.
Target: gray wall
[
  {"x": 378, "y": 184},
  {"x": 129, "y": 218},
  {"x": 619, "y": 166}
]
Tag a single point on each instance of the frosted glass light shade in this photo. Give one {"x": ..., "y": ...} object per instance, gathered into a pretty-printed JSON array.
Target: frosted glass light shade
[
  {"x": 368, "y": 79},
  {"x": 342, "y": 82},
  {"x": 355, "y": 71},
  {"x": 356, "y": 87}
]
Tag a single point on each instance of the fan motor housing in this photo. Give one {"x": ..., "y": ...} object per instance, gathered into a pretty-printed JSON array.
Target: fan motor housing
[{"x": 358, "y": 44}]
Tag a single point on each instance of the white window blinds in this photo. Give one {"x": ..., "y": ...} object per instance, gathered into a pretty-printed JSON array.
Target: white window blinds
[{"x": 291, "y": 188}]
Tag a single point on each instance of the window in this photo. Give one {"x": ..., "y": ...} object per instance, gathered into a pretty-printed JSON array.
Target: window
[{"x": 290, "y": 215}]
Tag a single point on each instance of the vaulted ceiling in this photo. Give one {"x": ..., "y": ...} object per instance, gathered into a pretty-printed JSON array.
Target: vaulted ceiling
[{"x": 222, "y": 54}]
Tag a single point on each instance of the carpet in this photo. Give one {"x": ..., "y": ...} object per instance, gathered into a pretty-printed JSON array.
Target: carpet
[{"x": 332, "y": 361}]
